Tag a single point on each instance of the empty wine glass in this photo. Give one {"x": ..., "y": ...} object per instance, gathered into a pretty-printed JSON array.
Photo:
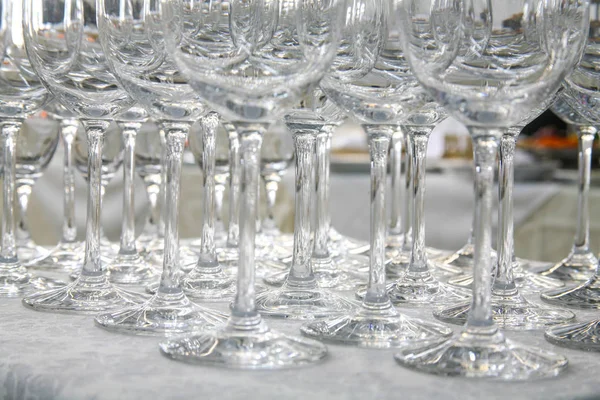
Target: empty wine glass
[
  {"x": 132, "y": 37},
  {"x": 69, "y": 253},
  {"x": 250, "y": 61},
  {"x": 581, "y": 262},
  {"x": 62, "y": 44},
  {"x": 21, "y": 95},
  {"x": 489, "y": 73},
  {"x": 36, "y": 145}
]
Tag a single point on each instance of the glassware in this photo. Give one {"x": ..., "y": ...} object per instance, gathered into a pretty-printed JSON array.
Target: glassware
[
  {"x": 36, "y": 145},
  {"x": 69, "y": 253},
  {"x": 581, "y": 262},
  {"x": 128, "y": 266},
  {"x": 21, "y": 95},
  {"x": 61, "y": 39},
  {"x": 132, "y": 37},
  {"x": 470, "y": 62},
  {"x": 251, "y": 69}
]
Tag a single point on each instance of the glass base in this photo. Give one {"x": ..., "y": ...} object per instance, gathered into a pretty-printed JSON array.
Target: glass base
[
  {"x": 300, "y": 303},
  {"x": 265, "y": 268},
  {"x": 526, "y": 281},
  {"x": 16, "y": 282},
  {"x": 584, "y": 296},
  {"x": 273, "y": 252},
  {"x": 578, "y": 336},
  {"x": 462, "y": 258},
  {"x": 422, "y": 289},
  {"x": 130, "y": 269},
  {"x": 330, "y": 273},
  {"x": 285, "y": 240},
  {"x": 228, "y": 255},
  {"x": 29, "y": 252},
  {"x": 88, "y": 294},
  {"x": 255, "y": 348},
  {"x": 576, "y": 267},
  {"x": 209, "y": 284},
  {"x": 398, "y": 265},
  {"x": 375, "y": 328},
  {"x": 65, "y": 257},
  {"x": 510, "y": 312},
  {"x": 164, "y": 313},
  {"x": 481, "y": 354},
  {"x": 340, "y": 244},
  {"x": 187, "y": 258}
]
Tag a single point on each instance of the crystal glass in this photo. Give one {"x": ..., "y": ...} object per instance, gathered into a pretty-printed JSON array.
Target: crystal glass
[
  {"x": 510, "y": 309},
  {"x": 21, "y": 95},
  {"x": 36, "y": 145},
  {"x": 62, "y": 44},
  {"x": 489, "y": 73},
  {"x": 129, "y": 266},
  {"x": 131, "y": 33},
  {"x": 581, "y": 262},
  {"x": 69, "y": 253},
  {"x": 251, "y": 61}
]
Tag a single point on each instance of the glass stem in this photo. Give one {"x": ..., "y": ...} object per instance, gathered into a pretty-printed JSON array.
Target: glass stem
[
  {"x": 269, "y": 226},
  {"x": 8, "y": 252},
  {"x": 175, "y": 134},
  {"x": 208, "y": 255},
  {"x": 586, "y": 136},
  {"x": 95, "y": 131},
  {"x": 419, "y": 138},
  {"x": 301, "y": 272},
  {"x": 322, "y": 216},
  {"x": 163, "y": 184},
  {"x": 408, "y": 195},
  {"x": 24, "y": 189},
  {"x": 129, "y": 132},
  {"x": 250, "y": 142},
  {"x": 235, "y": 181},
  {"x": 153, "y": 217},
  {"x": 503, "y": 281},
  {"x": 485, "y": 148},
  {"x": 379, "y": 143},
  {"x": 395, "y": 228},
  {"x": 220, "y": 182},
  {"x": 68, "y": 130}
]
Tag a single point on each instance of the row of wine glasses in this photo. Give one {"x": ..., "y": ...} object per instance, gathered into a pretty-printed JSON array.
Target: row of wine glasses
[{"x": 235, "y": 68}]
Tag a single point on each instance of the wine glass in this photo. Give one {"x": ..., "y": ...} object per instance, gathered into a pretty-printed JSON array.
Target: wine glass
[
  {"x": 489, "y": 73},
  {"x": 22, "y": 95},
  {"x": 581, "y": 262},
  {"x": 36, "y": 145},
  {"x": 131, "y": 33},
  {"x": 69, "y": 253},
  {"x": 250, "y": 61},
  {"x": 61, "y": 39}
]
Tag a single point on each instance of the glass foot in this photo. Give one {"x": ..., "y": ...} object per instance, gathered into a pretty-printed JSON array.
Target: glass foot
[
  {"x": 273, "y": 252},
  {"x": 398, "y": 265},
  {"x": 88, "y": 294},
  {"x": 266, "y": 267},
  {"x": 578, "y": 336},
  {"x": 526, "y": 281},
  {"x": 374, "y": 328},
  {"x": 228, "y": 255},
  {"x": 462, "y": 258},
  {"x": 209, "y": 284},
  {"x": 481, "y": 355},
  {"x": 130, "y": 269},
  {"x": 576, "y": 267},
  {"x": 585, "y": 296},
  {"x": 164, "y": 313},
  {"x": 65, "y": 257},
  {"x": 29, "y": 252},
  {"x": 510, "y": 312},
  {"x": 422, "y": 289},
  {"x": 16, "y": 282},
  {"x": 340, "y": 244},
  {"x": 256, "y": 348},
  {"x": 285, "y": 240},
  {"x": 300, "y": 303},
  {"x": 187, "y": 258}
]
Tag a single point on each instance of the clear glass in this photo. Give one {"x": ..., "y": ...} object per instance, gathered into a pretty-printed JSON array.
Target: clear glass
[
  {"x": 581, "y": 262},
  {"x": 128, "y": 266},
  {"x": 36, "y": 145},
  {"x": 278, "y": 63},
  {"x": 61, "y": 42},
  {"x": 377, "y": 324},
  {"x": 21, "y": 94},
  {"x": 138, "y": 62},
  {"x": 300, "y": 297},
  {"x": 468, "y": 61},
  {"x": 69, "y": 253}
]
